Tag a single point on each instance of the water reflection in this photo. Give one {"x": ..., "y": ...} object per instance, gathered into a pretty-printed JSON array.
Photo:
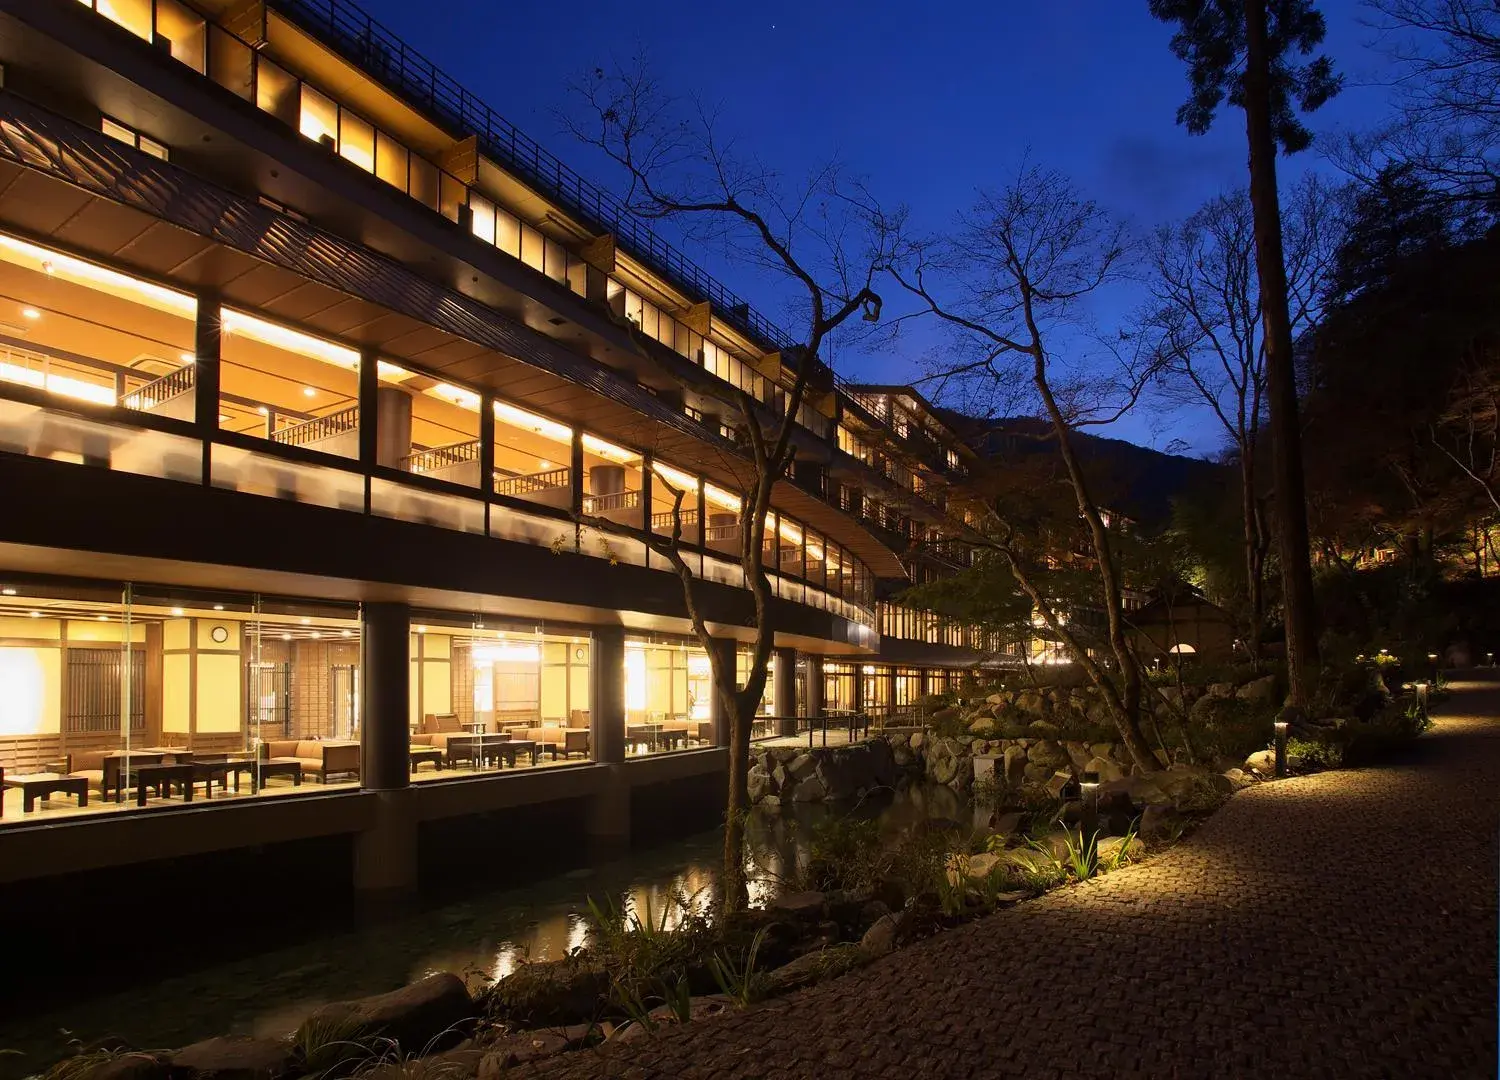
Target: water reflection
[{"x": 483, "y": 937}]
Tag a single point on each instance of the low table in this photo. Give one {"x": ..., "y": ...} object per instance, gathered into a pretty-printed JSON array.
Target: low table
[
  {"x": 267, "y": 769},
  {"x": 420, "y": 754},
  {"x": 41, "y": 785},
  {"x": 162, "y": 777},
  {"x": 507, "y": 751}
]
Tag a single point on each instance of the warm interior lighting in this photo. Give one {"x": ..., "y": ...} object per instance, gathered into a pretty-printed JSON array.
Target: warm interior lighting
[
  {"x": 177, "y": 612},
  {"x": 676, "y": 477},
  {"x": 36, "y": 614},
  {"x": 28, "y": 255},
  {"x": 464, "y": 399},
  {"x": 62, "y": 385},
  {"x": 346, "y": 633},
  {"x": 510, "y": 653},
  {"x": 189, "y": 358},
  {"x": 305, "y": 622},
  {"x": 609, "y": 451},
  {"x": 284, "y": 337},
  {"x": 421, "y": 629},
  {"x": 218, "y": 607},
  {"x": 103, "y": 618},
  {"x": 7, "y": 591},
  {"x": 308, "y": 391},
  {"x": 30, "y": 313},
  {"x": 520, "y": 418},
  {"x": 721, "y": 498},
  {"x": 286, "y": 637},
  {"x": 263, "y": 410}
]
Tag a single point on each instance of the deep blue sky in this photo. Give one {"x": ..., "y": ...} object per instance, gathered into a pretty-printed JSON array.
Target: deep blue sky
[{"x": 928, "y": 103}]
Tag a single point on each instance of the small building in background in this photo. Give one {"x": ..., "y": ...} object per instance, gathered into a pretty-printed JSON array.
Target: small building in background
[{"x": 1185, "y": 624}]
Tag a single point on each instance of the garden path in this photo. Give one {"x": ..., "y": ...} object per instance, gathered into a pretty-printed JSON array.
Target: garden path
[{"x": 1336, "y": 925}]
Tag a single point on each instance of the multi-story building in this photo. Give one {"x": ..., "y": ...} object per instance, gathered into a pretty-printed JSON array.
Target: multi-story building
[{"x": 312, "y": 364}]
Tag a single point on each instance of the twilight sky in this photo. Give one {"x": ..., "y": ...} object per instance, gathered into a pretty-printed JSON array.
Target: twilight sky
[{"x": 928, "y": 109}]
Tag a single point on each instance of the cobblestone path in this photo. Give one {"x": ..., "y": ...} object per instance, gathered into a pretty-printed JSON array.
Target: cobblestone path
[{"x": 1339, "y": 925}]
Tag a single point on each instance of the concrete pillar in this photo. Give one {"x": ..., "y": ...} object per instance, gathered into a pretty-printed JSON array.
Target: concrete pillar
[
  {"x": 385, "y": 676},
  {"x": 858, "y": 705},
  {"x": 607, "y": 695},
  {"x": 385, "y": 855},
  {"x": 814, "y": 703},
  {"x": 717, "y": 714},
  {"x": 606, "y": 479},
  {"x": 207, "y": 344},
  {"x": 607, "y": 819},
  {"x": 392, "y": 426},
  {"x": 784, "y": 693}
]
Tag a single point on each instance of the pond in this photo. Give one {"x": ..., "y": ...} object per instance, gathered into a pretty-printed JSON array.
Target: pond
[{"x": 482, "y": 936}]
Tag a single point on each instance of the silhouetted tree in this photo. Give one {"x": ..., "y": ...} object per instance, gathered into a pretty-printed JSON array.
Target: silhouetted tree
[{"x": 1247, "y": 51}]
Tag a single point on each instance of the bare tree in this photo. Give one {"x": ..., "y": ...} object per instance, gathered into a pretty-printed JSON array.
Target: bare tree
[
  {"x": 820, "y": 236},
  {"x": 1447, "y": 53},
  {"x": 1205, "y": 316},
  {"x": 1019, "y": 268}
]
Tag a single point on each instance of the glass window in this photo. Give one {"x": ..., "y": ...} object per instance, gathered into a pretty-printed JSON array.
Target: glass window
[
  {"x": 612, "y": 487},
  {"x": 444, "y": 426},
  {"x": 356, "y": 141},
  {"x": 390, "y": 161},
  {"x": 184, "y": 30},
  {"x": 482, "y": 212},
  {"x": 508, "y": 233},
  {"x": 533, "y": 457},
  {"x": 288, "y": 387},
  {"x": 666, "y": 484},
  {"x": 276, "y": 92},
  {"x": 667, "y": 693},
  {"x": 133, "y": 15},
  {"x": 319, "y": 117}
]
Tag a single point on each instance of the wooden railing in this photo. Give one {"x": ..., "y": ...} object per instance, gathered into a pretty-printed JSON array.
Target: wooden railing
[
  {"x": 520, "y": 486},
  {"x": 616, "y": 500},
  {"x": 319, "y": 428},
  {"x": 663, "y": 522},
  {"x": 172, "y": 384},
  {"x": 442, "y": 457}
]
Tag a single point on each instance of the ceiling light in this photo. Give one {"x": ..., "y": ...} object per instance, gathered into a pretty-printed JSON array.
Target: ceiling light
[
  {"x": 36, "y": 614},
  {"x": 103, "y": 618},
  {"x": 189, "y": 358},
  {"x": 286, "y": 637},
  {"x": 218, "y": 607},
  {"x": 421, "y": 629},
  {"x": 30, "y": 313},
  {"x": 263, "y": 410},
  {"x": 317, "y": 633},
  {"x": 308, "y": 391},
  {"x": 346, "y": 633},
  {"x": 8, "y": 591},
  {"x": 306, "y": 622},
  {"x": 177, "y": 613}
]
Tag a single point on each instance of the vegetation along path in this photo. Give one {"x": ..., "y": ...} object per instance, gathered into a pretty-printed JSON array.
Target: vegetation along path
[{"x": 1338, "y": 925}]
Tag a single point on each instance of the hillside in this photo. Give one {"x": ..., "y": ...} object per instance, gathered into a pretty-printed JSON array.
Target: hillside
[{"x": 1136, "y": 480}]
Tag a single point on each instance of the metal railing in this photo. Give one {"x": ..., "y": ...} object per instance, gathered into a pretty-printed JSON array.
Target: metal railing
[
  {"x": 616, "y": 500},
  {"x": 353, "y": 33},
  {"x": 443, "y": 457},
  {"x": 319, "y": 428},
  {"x": 518, "y": 486},
  {"x": 172, "y": 384},
  {"x": 663, "y": 522}
]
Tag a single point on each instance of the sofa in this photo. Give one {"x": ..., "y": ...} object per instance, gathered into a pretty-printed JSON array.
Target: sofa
[
  {"x": 558, "y": 741},
  {"x": 319, "y": 758}
]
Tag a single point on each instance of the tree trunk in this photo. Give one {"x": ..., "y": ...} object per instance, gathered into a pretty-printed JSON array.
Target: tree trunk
[
  {"x": 737, "y": 806},
  {"x": 1254, "y": 571},
  {"x": 1281, "y": 384}
]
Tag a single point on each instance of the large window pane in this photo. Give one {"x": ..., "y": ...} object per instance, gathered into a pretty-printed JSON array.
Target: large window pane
[
  {"x": 532, "y": 457},
  {"x": 668, "y": 687}
]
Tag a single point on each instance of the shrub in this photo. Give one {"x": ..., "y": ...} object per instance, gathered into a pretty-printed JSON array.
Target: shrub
[{"x": 1315, "y": 755}]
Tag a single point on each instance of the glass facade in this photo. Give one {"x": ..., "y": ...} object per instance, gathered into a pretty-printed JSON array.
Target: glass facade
[{"x": 668, "y": 696}]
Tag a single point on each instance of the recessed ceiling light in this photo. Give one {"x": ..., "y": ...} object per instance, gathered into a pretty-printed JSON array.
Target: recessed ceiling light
[
  {"x": 177, "y": 612},
  {"x": 104, "y": 618},
  {"x": 30, "y": 313},
  {"x": 346, "y": 633},
  {"x": 189, "y": 358},
  {"x": 8, "y": 591},
  {"x": 317, "y": 633},
  {"x": 308, "y": 391},
  {"x": 421, "y": 629},
  {"x": 306, "y": 622},
  {"x": 286, "y": 637},
  {"x": 263, "y": 410},
  {"x": 218, "y": 607},
  {"x": 36, "y": 614}
]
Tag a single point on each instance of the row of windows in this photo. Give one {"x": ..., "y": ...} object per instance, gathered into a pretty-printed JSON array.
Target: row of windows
[{"x": 911, "y": 624}]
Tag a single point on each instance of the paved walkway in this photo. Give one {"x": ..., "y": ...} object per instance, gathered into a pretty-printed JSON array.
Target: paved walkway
[{"x": 1341, "y": 925}]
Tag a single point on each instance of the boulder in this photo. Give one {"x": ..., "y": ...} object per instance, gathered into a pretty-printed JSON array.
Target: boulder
[
  {"x": 419, "y": 1017},
  {"x": 903, "y": 756},
  {"x": 235, "y": 1057},
  {"x": 943, "y": 761},
  {"x": 1105, "y": 769},
  {"x": 1262, "y": 763},
  {"x": 779, "y": 777},
  {"x": 882, "y": 935},
  {"x": 1035, "y": 774},
  {"x": 757, "y": 783},
  {"x": 1031, "y": 703},
  {"x": 1078, "y": 754},
  {"x": 1047, "y": 754},
  {"x": 918, "y": 740},
  {"x": 1159, "y": 818},
  {"x": 809, "y": 790},
  {"x": 520, "y": 1049},
  {"x": 133, "y": 1065},
  {"x": 802, "y": 766},
  {"x": 1015, "y": 765},
  {"x": 1259, "y": 692},
  {"x": 984, "y": 726},
  {"x": 995, "y": 699},
  {"x": 548, "y": 992},
  {"x": 971, "y": 867},
  {"x": 805, "y": 906},
  {"x": 1043, "y": 729},
  {"x": 1105, "y": 750},
  {"x": 1007, "y": 823},
  {"x": 1219, "y": 690},
  {"x": 815, "y": 966},
  {"x": 1237, "y": 778},
  {"x": 1132, "y": 791}
]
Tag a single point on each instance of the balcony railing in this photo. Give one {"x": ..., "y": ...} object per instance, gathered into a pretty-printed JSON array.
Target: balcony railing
[
  {"x": 521, "y": 486},
  {"x": 663, "y": 522},
  {"x": 319, "y": 428},
  {"x": 443, "y": 457},
  {"x": 157, "y": 391},
  {"x": 617, "y": 500},
  {"x": 350, "y": 31}
]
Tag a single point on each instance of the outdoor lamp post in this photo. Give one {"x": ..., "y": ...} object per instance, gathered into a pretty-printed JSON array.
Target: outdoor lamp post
[
  {"x": 1422, "y": 692},
  {"x": 1281, "y": 726},
  {"x": 1432, "y": 664},
  {"x": 1489, "y": 659},
  {"x": 1089, "y": 825}
]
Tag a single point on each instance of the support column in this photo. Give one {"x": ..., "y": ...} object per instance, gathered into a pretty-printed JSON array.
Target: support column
[
  {"x": 607, "y": 695},
  {"x": 718, "y": 716},
  {"x": 784, "y": 693},
  {"x": 858, "y": 704},
  {"x": 207, "y": 345},
  {"x": 814, "y": 704},
  {"x": 385, "y": 855}
]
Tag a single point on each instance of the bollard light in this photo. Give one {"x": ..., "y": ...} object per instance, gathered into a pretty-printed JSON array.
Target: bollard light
[
  {"x": 1432, "y": 663},
  {"x": 1089, "y": 826},
  {"x": 1423, "y": 689},
  {"x": 1489, "y": 659},
  {"x": 1281, "y": 726}
]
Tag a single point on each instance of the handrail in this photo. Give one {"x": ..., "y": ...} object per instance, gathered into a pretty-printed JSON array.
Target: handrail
[
  {"x": 442, "y": 457},
  {"x": 162, "y": 389},
  {"x": 379, "y": 52},
  {"x": 616, "y": 500},
  {"x": 318, "y": 428},
  {"x": 664, "y": 520},
  {"x": 550, "y": 480}
]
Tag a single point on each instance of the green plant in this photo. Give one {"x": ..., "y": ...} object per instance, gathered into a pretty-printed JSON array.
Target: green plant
[
  {"x": 1121, "y": 855},
  {"x": 1039, "y": 869},
  {"x": 334, "y": 1046},
  {"x": 740, "y": 980},
  {"x": 84, "y": 1062},
  {"x": 1081, "y": 854},
  {"x": 1315, "y": 755}
]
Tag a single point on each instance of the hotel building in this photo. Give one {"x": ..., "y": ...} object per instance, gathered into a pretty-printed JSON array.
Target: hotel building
[{"x": 309, "y": 365}]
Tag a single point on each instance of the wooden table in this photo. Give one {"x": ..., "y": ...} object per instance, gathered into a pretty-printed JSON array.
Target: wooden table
[
  {"x": 41, "y": 785},
  {"x": 162, "y": 776},
  {"x": 479, "y": 749},
  {"x": 507, "y": 751},
  {"x": 419, "y": 754}
]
